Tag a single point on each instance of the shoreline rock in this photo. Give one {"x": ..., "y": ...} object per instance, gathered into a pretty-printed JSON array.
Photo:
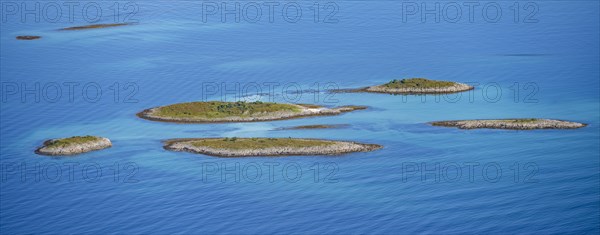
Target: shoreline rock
[
  {"x": 510, "y": 124},
  {"x": 421, "y": 86},
  {"x": 73, "y": 145},
  {"x": 305, "y": 111},
  {"x": 330, "y": 147},
  {"x": 28, "y": 37}
]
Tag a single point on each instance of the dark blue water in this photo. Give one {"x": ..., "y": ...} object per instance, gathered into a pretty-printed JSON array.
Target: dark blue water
[{"x": 426, "y": 179}]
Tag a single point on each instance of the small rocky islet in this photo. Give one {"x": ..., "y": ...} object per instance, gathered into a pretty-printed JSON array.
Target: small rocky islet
[
  {"x": 313, "y": 127},
  {"x": 412, "y": 86},
  {"x": 220, "y": 112},
  {"x": 73, "y": 145},
  {"x": 250, "y": 147},
  {"x": 94, "y": 26},
  {"x": 28, "y": 37},
  {"x": 74, "y": 28},
  {"x": 511, "y": 124}
]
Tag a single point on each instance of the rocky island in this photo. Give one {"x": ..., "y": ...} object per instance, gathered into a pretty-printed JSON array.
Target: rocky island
[
  {"x": 247, "y": 147},
  {"x": 218, "y": 112},
  {"x": 511, "y": 124},
  {"x": 311, "y": 127},
  {"x": 73, "y": 145},
  {"x": 414, "y": 86},
  {"x": 94, "y": 26},
  {"x": 28, "y": 37}
]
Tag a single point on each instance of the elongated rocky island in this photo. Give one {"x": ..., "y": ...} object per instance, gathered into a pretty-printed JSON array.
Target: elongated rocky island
[
  {"x": 511, "y": 124},
  {"x": 313, "y": 127},
  {"x": 217, "y": 111},
  {"x": 247, "y": 147},
  {"x": 94, "y": 26},
  {"x": 73, "y": 145},
  {"x": 414, "y": 86},
  {"x": 28, "y": 37}
]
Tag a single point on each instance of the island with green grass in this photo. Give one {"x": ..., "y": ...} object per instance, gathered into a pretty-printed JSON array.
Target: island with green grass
[
  {"x": 414, "y": 86},
  {"x": 248, "y": 147},
  {"x": 219, "y": 111},
  {"x": 511, "y": 124},
  {"x": 94, "y": 26},
  {"x": 73, "y": 145}
]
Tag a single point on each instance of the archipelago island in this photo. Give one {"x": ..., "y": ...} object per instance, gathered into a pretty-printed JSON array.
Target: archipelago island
[
  {"x": 74, "y": 28},
  {"x": 28, "y": 37},
  {"x": 219, "y": 112},
  {"x": 313, "y": 127},
  {"x": 73, "y": 145},
  {"x": 511, "y": 124},
  {"x": 414, "y": 86},
  {"x": 94, "y": 26},
  {"x": 249, "y": 147}
]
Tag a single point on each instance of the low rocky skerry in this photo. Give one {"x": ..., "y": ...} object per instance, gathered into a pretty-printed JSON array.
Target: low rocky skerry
[
  {"x": 73, "y": 145},
  {"x": 414, "y": 86},
  {"x": 268, "y": 147},
  {"x": 28, "y": 37},
  {"x": 511, "y": 124},
  {"x": 313, "y": 127},
  {"x": 220, "y": 112},
  {"x": 94, "y": 26}
]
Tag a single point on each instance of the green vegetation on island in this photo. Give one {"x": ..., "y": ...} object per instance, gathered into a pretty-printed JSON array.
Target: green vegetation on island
[
  {"x": 73, "y": 145},
  {"x": 245, "y": 147},
  {"x": 60, "y": 143},
  {"x": 259, "y": 143},
  {"x": 417, "y": 83},
  {"x": 524, "y": 120},
  {"x": 511, "y": 124},
  {"x": 219, "y": 111},
  {"x": 414, "y": 86}
]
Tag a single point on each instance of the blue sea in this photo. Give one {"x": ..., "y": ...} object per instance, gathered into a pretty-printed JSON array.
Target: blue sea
[{"x": 526, "y": 59}]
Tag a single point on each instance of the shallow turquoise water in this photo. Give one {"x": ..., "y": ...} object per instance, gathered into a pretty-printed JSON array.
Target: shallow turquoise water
[{"x": 172, "y": 55}]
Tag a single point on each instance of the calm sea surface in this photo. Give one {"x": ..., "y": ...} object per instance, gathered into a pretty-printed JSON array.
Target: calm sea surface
[{"x": 426, "y": 179}]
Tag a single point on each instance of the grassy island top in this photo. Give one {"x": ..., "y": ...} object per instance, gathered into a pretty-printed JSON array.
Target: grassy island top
[
  {"x": 219, "y": 112},
  {"x": 417, "y": 83},
  {"x": 75, "y": 140},
  {"x": 218, "y": 109},
  {"x": 95, "y": 26},
  {"x": 259, "y": 143},
  {"x": 414, "y": 86}
]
